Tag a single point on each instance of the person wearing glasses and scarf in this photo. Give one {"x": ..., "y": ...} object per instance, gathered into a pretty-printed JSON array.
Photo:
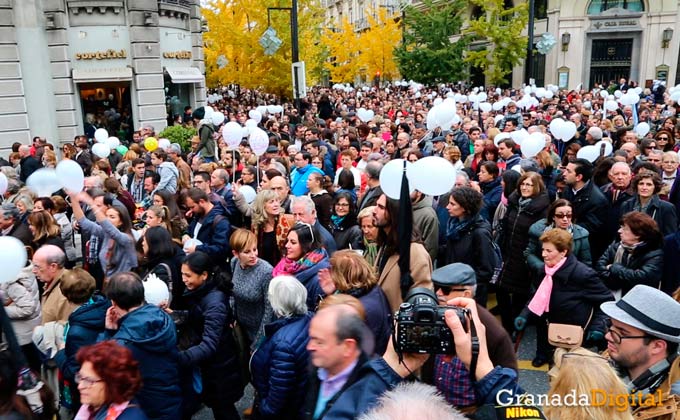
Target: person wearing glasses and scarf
[
  {"x": 570, "y": 293},
  {"x": 560, "y": 216},
  {"x": 304, "y": 256}
]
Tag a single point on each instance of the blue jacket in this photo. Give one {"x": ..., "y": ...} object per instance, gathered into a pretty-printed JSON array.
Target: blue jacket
[
  {"x": 214, "y": 235},
  {"x": 327, "y": 239},
  {"x": 84, "y": 326},
  {"x": 279, "y": 368},
  {"x": 210, "y": 318},
  {"x": 492, "y": 197},
  {"x": 298, "y": 179},
  {"x": 150, "y": 334},
  {"x": 368, "y": 381},
  {"x": 310, "y": 279},
  {"x": 378, "y": 317}
]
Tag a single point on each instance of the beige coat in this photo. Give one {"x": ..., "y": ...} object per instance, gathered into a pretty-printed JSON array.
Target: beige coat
[
  {"x": 421, "y": 271},
  {"x": 55, "y": 307}
]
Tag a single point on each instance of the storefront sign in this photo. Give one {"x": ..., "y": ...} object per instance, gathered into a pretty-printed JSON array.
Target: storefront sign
[
  {"x": 181, "y": 55},
  {"x": 624, "y": 24},
  {"x": 102, "y": 55}
]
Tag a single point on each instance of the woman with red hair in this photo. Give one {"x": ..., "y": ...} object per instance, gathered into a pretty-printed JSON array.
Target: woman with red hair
[{"x": 108, "y": 380}]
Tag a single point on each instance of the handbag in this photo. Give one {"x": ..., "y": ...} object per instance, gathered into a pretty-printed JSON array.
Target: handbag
[{"x": 567, "y": 336}]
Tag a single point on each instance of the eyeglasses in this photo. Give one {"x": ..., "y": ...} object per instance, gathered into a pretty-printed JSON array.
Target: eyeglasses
[
  {"x": 87, "y": 382},
  {"x": 662, "y": 138},
  {"x": 617, "y": 337},
  {"x": 563, "y": 215},
  {"x": 448, "y": 289},
  {"x": 341, "y": 204},
  {"x": 526, "y": 184}
]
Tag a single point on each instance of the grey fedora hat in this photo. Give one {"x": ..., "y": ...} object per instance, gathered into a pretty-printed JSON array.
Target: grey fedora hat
[{"x": 649, "y": 310}]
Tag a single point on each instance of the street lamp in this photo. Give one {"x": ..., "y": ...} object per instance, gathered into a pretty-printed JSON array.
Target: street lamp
[
  {"x": 566, "y": 39},
  {"x": 667, "y": 35}
]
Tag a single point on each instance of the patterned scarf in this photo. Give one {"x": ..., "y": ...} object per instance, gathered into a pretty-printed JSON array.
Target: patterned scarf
[
  {"x": 456, "y": 226},
  {"x": 625, "y": 250},
  {"x": 292, "y": 267},
  {"x": 370, "y": 251},
  {"x": 541, "y": 300},
  {"x": 337, "y": 220}
]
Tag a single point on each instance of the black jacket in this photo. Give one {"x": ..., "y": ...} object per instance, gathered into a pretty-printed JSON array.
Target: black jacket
[
  {"x": 577, "y": 291},
  {"x": 662, "y": 212},
  {"x": 515, "y": 238},
  {"x": 612, "y": 221},
  {"x": 473, "y": 248},
  {"x": 29, "y": 164},
  {"x": 643, "y": 266},
  {"x": 590, "y": 211}
]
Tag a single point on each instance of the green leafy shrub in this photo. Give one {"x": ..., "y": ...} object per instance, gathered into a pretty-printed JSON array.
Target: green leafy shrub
[{"x": 179, "y": 134}]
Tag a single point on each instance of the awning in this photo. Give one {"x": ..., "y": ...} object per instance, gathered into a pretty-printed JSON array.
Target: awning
[
  {"x": 185, "y": 74},
  {"x": 116, "y": 74}
]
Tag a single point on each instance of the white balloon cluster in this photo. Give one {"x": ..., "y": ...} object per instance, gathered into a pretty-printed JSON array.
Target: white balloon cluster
[
  {"x": 365, "y": 115},
  {"x": 442, "y": 114},
  {"x": 562, "y": 130},
  {"x": 213, "y": 98},
  {"x": 431, "y": 175}
]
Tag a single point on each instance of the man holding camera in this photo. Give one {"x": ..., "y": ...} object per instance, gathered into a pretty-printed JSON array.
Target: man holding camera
[{"x": 447, "y": 372}]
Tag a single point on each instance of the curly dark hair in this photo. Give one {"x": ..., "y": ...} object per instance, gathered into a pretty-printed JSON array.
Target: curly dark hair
[
  {"x": 469, "y": 199},
  {"x": 117, "y": 368},
  {"x": 656, "y": 179}
]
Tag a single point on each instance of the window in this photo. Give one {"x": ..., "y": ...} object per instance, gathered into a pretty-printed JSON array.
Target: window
[
  {"x": 541, "y": 9},
  {"x": 597, "y": 7}
]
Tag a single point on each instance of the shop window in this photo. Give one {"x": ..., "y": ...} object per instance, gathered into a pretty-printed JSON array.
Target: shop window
[
  {"x": 597, "y": 7},
  {"x": 541, "y": 9}
]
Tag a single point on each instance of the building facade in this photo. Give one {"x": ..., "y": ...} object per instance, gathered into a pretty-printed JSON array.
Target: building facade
[
  {"x": 121, "y": 63},
  {"x": 597, "y": 40}
]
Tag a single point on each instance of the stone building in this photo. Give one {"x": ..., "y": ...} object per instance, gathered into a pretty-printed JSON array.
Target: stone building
[
  {"x": 597, "y": 40},
  {"x": 125, "y": 63}
]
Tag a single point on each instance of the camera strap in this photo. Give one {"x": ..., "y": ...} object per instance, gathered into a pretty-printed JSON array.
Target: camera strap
[{"x": 475, "y": 348}]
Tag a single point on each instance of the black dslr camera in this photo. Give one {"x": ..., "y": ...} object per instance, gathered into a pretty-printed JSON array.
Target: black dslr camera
[{"x": 421, "y": 327}]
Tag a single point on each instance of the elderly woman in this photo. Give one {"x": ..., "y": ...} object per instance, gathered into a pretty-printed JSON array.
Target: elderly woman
[
  {"x": 108, "y": 380},
  {"x": 352, "y": 275},
  {"x": 647, "y": 186},
  {"x": 528, "y": 204},
  {"x": 305, "y": 256},
  {"x": 636, "y": 259},
  {"x": 570, "y": 293},
  {"x": 560, "y": 216},
  {"x": 469, "y": 238},
  {"x": 279, "y": 365},
  {"x": 369, "y": 231}
]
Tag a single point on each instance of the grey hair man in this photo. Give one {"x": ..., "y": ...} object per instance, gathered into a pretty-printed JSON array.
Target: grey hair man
[
  {"x": 304, "y": 210},
  {"x": 410, "y": 401},
  {"x": 48, "y": 267}
]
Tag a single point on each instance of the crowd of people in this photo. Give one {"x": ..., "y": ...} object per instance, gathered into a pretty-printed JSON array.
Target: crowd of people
[{"x": 284, "y": 268}]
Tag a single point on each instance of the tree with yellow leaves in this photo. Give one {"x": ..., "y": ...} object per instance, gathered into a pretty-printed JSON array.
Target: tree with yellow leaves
[
  {"x": 377, "y": 44},
  {"x": 341, "y": 44},
  {"x": 234, "y": 31}
]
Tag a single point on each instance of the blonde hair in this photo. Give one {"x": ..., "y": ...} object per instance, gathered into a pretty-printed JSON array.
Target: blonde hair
[
  {"x": 163, "y": 212},
  {"x": 365, "y": 212},
  {"x": 242, "y": 239},
  {"x": 259, "y": 214},
  {"x": 582, "y": 371},
  {"x": 350, "y": 270}
]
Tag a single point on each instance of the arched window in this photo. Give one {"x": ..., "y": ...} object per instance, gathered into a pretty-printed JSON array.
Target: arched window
[{"x": 597, "y": 7}]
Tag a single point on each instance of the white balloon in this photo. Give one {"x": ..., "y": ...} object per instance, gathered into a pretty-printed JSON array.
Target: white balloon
[
  {"x": 255, "y": 115},
  {"x": 112, "y": 142},
  {"x": 248, "y": 193},
  {"x": 71, "y": 175},
  {"x": 431, "y": 120},
  {"x": 675, "y": 96},
  {"x": 12, "y": 258},
  {"x": 164, "y": 143},
  {"x": 191, "y": 242},
  {"x": 589, "y": 153},
  {"x": 568, "y": 130},
  {"x": 271, "y": 109},
  {"x": 642, "y": 129},
  {"x": 208, "y": 112},
  {"x": 45, "y": 181},
  {"x": 445, "y": 115},
  {"x": 155, "y": 290},
  {"x": 540, "y": 92},
  {"x": 518, "y": 136},
  {"x": 437, "y": 101},
  {"x": 432, "y": 175},
  {"x": 485, "y": 106},
  {"x": 497, "y": 106},
  {"x": 390, "y": 178},
  {"x": 232, "y": 133},
  {"x": 3, "y": 183},
  {"x": 549, "y": 94},
  {"x": 365, "y": 115},
  {"x": 101, "y": 150},
  {"x": 532, "y": 144},
  {"x": 259, "y": 141},
  {"x": 611, "y": 106},
  {"x": 637, "y": 90},
  {"x": 473, "y": 98},
  {"x": 555, "y": 126},
  {"x": 618, "y": 94},
  {"x": 217, "y": 118},
  {"x": 608, "y": 148},
  {"x": 100, "y": 135},
  {"x": 527, "y": 90},
  {"x": 263, "y": 110},
  {"x": 604, "y": 94}
]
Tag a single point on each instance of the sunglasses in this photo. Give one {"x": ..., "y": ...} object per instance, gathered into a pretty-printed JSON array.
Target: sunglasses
[{"x": 448, "y": 289}]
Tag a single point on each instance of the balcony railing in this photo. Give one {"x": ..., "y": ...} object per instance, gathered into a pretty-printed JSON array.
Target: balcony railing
[{"x": 183, "y": 3}]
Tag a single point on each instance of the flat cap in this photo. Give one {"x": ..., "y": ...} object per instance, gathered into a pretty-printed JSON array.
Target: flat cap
[{"x": 456, "y": 274}]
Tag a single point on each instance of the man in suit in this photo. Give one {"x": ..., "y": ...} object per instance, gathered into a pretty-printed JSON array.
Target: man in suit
[{"x": 373, "y": 190}]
